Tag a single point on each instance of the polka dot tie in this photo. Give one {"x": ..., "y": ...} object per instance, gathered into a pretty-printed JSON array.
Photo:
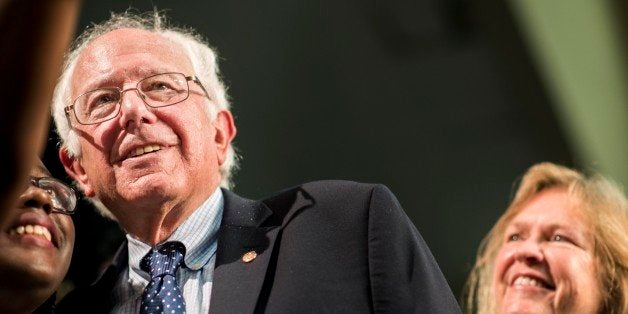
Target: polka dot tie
[{"x": 163, "y": 295}]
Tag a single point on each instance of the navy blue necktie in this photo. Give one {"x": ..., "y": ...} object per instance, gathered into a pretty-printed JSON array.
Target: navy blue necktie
[{"x": 163, "y": 295}]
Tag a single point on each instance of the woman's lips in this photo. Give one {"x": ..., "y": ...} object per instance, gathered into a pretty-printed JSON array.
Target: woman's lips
[
  {"x": 533, "y": 281},
  {"x": 36, "y": 224},
  {"x": 36, "y": 230}
]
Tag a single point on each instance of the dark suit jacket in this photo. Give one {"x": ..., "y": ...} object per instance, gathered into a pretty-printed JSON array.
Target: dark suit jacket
[{"x": 327, "y": 246}]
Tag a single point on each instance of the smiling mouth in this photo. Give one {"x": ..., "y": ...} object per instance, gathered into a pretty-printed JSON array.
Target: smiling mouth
[
  {"x": 35, "y": 230},
  {"x": 534, "y": 282},
  {"x": 143, "y": 150}
]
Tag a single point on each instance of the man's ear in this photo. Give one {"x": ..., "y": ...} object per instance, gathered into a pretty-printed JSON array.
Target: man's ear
[
  {"x": 75, "y": 170},
  {"x": 225, "y": 132}
]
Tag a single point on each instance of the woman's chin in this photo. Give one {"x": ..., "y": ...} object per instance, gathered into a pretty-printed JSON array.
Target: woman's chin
[{"x": 528, "y": 301}]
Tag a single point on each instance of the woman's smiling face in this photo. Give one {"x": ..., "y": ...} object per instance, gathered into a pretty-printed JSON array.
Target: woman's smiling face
[
  {"x": 546, "y": 263},
  {"x": 36, "y": 247}
]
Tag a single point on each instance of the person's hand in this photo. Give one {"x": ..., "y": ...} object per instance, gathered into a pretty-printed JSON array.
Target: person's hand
[{"x": 34, "y": 36}]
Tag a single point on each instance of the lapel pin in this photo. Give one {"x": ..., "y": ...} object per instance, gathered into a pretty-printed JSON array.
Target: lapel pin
[{"x": 249, "y": 256}]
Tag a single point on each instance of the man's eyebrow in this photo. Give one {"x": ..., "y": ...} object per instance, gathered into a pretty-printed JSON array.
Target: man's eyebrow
[
  {"x": 105, "y": 81},
  {"x": 150, "y": 71},
  {"x": 113, "y": 80}
]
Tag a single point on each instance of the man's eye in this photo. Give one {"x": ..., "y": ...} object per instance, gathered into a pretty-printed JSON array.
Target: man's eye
[
  {"x": 103, "y": 100},
  {"x": 159, "y": 86}
]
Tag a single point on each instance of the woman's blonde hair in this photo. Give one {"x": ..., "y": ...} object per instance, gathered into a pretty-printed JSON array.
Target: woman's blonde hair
[{"x": 605, "y": 209}]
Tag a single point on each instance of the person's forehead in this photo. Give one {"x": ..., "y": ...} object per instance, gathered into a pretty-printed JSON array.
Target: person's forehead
[
  {"x": 131, "y": 38},
  {"x": 127, "y": 51},
  {"x": 553, "y": 207},
  {"x": 39, "y": 170}
]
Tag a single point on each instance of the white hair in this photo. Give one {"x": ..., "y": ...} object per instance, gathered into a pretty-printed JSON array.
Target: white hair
[{"x": 202, "y": 57}]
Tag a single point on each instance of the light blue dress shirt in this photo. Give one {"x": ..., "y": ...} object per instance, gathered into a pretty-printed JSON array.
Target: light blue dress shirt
[{"x": 199, "y": 234}]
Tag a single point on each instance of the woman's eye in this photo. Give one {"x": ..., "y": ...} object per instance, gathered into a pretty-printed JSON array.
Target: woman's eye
[
  {"x": 513, "y": 237},
  {"x": 51, "y": 192},
  {"x": 558, "y": 238}
]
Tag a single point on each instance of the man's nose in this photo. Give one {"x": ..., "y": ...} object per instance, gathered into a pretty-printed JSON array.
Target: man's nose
[
  {"x": 134, "y": 109},
  {"x": 34, "y": 197}
]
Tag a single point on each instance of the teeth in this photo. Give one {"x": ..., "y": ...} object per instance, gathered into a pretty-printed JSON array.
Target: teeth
[
  {"x": 143, "y": 150},
  {"x": 33, "y": 230},
  {"x": 527, "y": 281}
]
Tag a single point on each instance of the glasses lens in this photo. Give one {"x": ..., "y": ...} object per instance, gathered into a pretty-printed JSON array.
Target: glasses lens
[
  {"x": 63, "y": 197},
  {"x": 97, "y": 105},
  {"x": 164, "y": 89}
]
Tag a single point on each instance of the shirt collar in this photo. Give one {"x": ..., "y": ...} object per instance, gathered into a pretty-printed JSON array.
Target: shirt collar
[{"x": 198, "y": 233}]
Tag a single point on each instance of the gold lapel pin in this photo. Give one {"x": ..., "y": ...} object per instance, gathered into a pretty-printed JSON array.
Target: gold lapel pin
[{"x": 249, "y": 256}]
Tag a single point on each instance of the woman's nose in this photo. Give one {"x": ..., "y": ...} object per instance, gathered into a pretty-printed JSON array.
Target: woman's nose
[
  {"x": 529, "y": 251},
  {"x": 34, "y": 197}
]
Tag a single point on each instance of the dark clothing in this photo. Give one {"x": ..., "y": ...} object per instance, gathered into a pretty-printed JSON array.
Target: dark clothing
[
  {"x": 48, "y": 306},
  {"x": 326, "y": 246}
]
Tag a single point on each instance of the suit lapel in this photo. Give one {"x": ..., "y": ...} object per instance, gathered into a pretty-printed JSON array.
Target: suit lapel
[
  {"x": 99, "y": 296},
  {"x": 247, "y": 227}
]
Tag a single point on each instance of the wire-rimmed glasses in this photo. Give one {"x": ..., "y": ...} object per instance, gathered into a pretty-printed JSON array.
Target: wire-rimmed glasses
[
  {"x": 63, "y": 197},
  {"x": 160, "y": 90}
]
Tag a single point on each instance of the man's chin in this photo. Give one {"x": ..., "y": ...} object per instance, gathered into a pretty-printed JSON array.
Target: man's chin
[
  {"x": 147, "y": 190},
  {"x": 139, "y": 181}
]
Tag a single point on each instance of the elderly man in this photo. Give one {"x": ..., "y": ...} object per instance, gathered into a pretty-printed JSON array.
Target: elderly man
[{"x": 146, "y": 133}]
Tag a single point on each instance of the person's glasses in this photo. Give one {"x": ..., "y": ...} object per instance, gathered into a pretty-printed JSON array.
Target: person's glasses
[
  {"x": 156, "y": 91},
  {"x": 63, "y": 197}
]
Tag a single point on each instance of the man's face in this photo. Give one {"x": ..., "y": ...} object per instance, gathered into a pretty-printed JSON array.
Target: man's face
[
  {"x": 36, "y": 245},
  {"x": 146, "y": 157}
]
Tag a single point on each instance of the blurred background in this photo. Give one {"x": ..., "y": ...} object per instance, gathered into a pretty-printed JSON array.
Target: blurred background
[{"x": 447, "y": 102}]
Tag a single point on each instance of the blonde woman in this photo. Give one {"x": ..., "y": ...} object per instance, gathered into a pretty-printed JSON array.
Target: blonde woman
[{"x": 560, "y": 247}]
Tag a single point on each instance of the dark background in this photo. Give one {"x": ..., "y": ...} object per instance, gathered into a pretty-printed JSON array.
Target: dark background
[{"x": 439, "y": 100}]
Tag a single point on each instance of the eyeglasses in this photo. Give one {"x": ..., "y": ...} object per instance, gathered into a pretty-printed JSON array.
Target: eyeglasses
[
  {"x": 63, "y": 197},
  {"x": 156, "y": 91}
]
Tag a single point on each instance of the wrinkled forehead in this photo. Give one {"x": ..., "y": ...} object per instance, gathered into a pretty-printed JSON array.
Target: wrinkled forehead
[{"x": 128, "y": 53}]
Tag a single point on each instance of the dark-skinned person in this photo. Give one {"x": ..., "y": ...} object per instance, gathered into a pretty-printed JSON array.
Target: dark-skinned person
[
  {"x": 36, "y": 241},
  {"x": 36, "y": 233}
]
